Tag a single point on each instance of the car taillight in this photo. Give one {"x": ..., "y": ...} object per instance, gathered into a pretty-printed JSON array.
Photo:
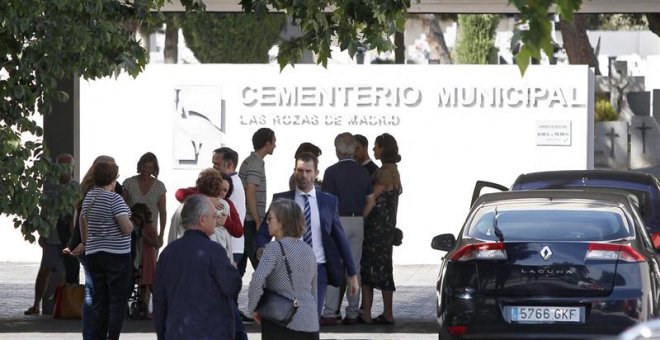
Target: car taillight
[
  {"x": 480, "y": 251},
  {"x": 604, "y": 251},
  {"x": 457, "y": 330}
]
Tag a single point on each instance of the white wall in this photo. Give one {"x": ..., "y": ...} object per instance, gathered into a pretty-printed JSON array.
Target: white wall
[{"x": 444, "y": 149}]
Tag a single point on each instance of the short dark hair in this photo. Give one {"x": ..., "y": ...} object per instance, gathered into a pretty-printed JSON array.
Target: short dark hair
[
  {"x": 289, "y": 214},
  {"x": 231, "y": 184},
  {"x": 142, "y": 211},
  {"x": 261, "y": 137},
  {"x": 390, "y": 147},
  {"x": 148, "y": 157},
  {"x": 228, "y": 154},
  {"x": 362, "y": 140},
  {"x": 105, "y": 173},
  {"x": 308, "y": 147},
  {"x": 306, "y": 157}
]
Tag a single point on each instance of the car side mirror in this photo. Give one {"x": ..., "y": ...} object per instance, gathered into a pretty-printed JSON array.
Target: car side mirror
[{"x": 445, "y": 242}]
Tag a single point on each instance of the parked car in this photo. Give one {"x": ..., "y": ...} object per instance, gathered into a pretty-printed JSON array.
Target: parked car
[
  {"x": 644, "y": 186},
  {"x": 647, "y": 330},
  {"x": 544, "y": 263}
]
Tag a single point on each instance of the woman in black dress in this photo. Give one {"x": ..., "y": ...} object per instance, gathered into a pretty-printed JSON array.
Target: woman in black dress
[{"x": 376, "y": 266}]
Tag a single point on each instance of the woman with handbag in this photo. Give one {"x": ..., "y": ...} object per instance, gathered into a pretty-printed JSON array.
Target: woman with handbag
[
  {"x": 376, "y": 269},
  {"x": 286, "y": 279}
]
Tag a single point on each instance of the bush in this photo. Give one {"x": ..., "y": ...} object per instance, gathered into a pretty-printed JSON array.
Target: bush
[
  {"x": 604, "y": 112},
  {"x": 231, "y": 37},
  {"x": 476, "y": 39}
]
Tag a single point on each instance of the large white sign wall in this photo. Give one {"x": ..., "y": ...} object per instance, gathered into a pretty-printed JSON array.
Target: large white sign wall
[{"x": 454, "y": 125}]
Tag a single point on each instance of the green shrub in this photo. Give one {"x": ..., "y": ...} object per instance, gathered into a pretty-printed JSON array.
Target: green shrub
[
  {"x": 604, "y": 111},
  {"x": 231, "y": 37},
  {"x": 476, "y": 39}
]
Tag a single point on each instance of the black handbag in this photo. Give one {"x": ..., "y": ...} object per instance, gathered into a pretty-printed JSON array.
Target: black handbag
[
  {"x": 397, "y": 237},
  {"x": 275, "y": 307}
]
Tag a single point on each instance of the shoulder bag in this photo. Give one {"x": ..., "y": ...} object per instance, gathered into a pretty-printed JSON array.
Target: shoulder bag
[{"x": 275, "y": 307}]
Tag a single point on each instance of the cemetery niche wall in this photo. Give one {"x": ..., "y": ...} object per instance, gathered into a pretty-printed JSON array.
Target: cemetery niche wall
[{"x": 454, "y": 124}]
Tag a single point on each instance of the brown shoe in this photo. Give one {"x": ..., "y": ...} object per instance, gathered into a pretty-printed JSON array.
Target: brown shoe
[
  {"x": 349, "y": 322},
  {"x": 325, "y": 321}
]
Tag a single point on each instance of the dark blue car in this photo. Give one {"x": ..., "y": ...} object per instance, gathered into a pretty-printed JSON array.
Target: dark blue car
[
  {"x": 547, "y": 264},
  {"x": 644, "y": 186}
]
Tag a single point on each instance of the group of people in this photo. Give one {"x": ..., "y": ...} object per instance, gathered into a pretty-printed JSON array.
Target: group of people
[
  {"x": 334, "y": 235},
  {"x": 108, "y": 227}
]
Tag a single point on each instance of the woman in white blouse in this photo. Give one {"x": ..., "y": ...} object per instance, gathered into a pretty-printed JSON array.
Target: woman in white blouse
[{"x": 287, "y": 224}]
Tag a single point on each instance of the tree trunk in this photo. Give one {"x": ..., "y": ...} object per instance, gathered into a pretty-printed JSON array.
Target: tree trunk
[
  {"x": 171, "y": 50},
  {"x": 439, "y": 49},
  {"x": 576, "y": 42},
  {"x": 400, "y": 49},
  {"x": 654, "y": 22}
]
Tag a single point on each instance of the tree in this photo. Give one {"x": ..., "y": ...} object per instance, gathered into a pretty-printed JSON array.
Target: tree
[
  {"x": 41, "y": 42},
  {"x": 538, "y": 37},
  {"x": 436, "y": 38},
  {"x": 231, "y": 37},
  {"x": 476, "y": 39},
  {"x": 576, "y": 42},
  {"x": 352, "y": 24},
  {"x": 171, "y": 49}
]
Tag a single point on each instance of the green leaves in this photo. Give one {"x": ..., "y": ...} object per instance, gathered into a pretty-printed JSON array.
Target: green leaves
[
  {"x": 42, "y": 41},
  {"x": 476, "y": 39},
  {"x": 231, "y": 37},
  {"x": 536, "y": 14},
  {"x": 350, "y": 25}
]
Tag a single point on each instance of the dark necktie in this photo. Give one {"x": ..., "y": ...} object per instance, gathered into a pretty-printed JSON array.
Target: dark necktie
[{"x": 308, "y": 220}]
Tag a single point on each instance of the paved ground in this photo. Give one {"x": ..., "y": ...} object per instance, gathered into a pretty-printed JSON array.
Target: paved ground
[{"x": 414, "y": 310}]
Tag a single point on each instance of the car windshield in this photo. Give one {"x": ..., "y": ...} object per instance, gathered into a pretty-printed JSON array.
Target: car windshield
[{"x": 550, "y": 223}]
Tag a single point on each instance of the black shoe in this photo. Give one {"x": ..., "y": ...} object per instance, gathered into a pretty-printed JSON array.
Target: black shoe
[{"x": 245, "y": 318}]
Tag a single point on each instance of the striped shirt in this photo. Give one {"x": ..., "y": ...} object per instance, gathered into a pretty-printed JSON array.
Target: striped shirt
[
  {"x": 253, "y": 171},
  {"x": 103, "y": 232}
]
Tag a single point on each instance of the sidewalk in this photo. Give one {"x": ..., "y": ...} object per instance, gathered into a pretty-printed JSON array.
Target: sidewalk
[{"x": 414, "y": 309}]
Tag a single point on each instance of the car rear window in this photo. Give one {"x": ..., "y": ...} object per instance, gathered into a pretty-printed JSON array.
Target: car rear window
[{"x": 550, "y": 225}]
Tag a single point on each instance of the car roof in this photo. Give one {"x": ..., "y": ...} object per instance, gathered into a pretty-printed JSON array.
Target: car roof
[
  {"x": 584, "y": 175},
  {"x": 605, "y": 195}
]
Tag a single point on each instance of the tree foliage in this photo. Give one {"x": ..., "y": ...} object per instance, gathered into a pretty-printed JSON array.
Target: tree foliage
[
  {"x": 351, "y": 24},
  {"x": 231, "y": 37},
  {"x": 41, "y": 42},
  {"x": 476, "y": 39},
  {"x": 538, "y": 38}
]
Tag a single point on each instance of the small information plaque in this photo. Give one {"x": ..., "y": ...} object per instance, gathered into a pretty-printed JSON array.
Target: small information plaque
[{"x": 553, "y": 133}]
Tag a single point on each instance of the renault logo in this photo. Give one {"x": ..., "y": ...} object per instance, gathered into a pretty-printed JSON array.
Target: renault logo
[{"x": 546, "y": 253}]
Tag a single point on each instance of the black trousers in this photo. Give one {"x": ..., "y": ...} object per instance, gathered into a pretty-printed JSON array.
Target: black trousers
[
  {"x": 273, "y": 331},
  {"x": 111, "y": 275},
  {"x": 249, "y": 231},
  {"x": 71, "y": 269}
]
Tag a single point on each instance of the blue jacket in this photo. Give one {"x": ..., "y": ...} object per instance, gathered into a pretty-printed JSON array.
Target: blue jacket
[
  {"x": 194, "y": 289},
  {"x": 339, "y": 260}
]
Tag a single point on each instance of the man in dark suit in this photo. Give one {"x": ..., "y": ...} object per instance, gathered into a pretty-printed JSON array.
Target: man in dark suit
[{"x": 327, "y": 238}]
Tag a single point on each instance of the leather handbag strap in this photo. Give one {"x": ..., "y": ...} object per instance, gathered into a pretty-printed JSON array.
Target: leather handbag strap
[{"x": 289, "y": 273}]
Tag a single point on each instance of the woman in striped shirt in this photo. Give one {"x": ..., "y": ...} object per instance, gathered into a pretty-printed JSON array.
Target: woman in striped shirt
[{"x": 106, "y": 230}]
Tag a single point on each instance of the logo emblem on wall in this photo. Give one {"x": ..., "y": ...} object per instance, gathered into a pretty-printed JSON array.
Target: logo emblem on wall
[{"x": 199, "y": 124}]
